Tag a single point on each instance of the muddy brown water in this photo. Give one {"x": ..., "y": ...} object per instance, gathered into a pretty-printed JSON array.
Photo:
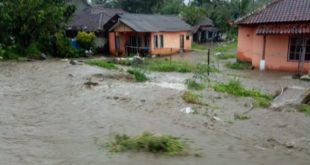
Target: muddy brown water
[{"x": 49, "y": 117}]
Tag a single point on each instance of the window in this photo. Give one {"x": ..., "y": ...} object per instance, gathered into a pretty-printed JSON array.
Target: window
[
  {"x": 146, "y": 41},
  {"x": 161, "y": 41},
  {"x": 296, "y": 47},
  {"x": 155, "y": 41},
  {"x": 187, "y": 37}
]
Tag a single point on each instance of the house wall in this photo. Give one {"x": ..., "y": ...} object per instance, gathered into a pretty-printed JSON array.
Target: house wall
[
  {"x": 171, "y": 42},
  {"x": 250, "y": 48}
]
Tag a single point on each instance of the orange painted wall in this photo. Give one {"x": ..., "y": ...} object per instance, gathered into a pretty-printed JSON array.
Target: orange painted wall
[
  {"x": 171, "y": 40},
  {"x": 250, "y": 48}
]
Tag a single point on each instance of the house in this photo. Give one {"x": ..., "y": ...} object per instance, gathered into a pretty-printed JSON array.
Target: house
[
  {"x": 277, "y": 37},
  {"x": 147, "y": 34},
  {"x": 92, "y": 19},
  {"x": 205, "y": 31}
]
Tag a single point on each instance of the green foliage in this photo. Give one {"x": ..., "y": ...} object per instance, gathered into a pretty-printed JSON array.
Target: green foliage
[
  {"x": 101, "y": 63},
  {"x": 171, "y": 7},
  {"x": 304, "y": 108},
  {"x": 33, "y": 51},
  {"x": 86, "y": 40},
  {"x": 193, "y": 14},
  {"x": 138, "y": 74},
  {"x": 239, "y": 65},
  {"x": 64, "y": 48},
  {"x": 147, "y": 142},
  {"x": 10, "y": 52},
  {"x": 235, "y": 88},
  {"x": 23, "y": 22},
  {"x": 194, "y": 85}
]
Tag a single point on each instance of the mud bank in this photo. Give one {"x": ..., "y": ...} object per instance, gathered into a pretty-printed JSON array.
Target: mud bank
[{"x": 49, "y": 117}]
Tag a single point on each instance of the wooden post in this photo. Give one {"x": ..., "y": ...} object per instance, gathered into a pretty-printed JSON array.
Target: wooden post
[
  {"x": 208, "y": 61},
  {"x": 264, "y": 48}
]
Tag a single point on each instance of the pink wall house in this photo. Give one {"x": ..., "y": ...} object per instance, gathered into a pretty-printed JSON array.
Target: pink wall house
[
  {"x": 278, "y": 34},
  {"x": 148, "y": 34}
]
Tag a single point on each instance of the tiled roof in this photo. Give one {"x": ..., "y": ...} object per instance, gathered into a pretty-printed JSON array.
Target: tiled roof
[
  {"x": 154, "y": 23},
  {"x": 279, "y": 11}
]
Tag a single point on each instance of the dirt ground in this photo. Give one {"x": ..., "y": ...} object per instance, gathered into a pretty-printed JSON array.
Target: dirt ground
[{"x": 49, "y": 117}]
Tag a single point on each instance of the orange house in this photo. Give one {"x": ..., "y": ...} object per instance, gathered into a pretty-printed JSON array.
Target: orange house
[
  {"x": 147, "y": 34},
  {"x": 277, "y": 37}
]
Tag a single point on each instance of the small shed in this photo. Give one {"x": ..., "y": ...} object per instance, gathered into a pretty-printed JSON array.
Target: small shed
[{"x": 205, "y": 31}]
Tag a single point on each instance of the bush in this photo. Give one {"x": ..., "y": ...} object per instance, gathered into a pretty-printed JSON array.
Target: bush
[
  {"x": 138, "y": 74},
  {"x": 33, "y": 51},
  {"x": 194, "y": 85},
  {"x": 101, "y": 63},
  {"x": 10, "y": 52},
  {"x": 86, "y": 40},
  {"x": 64, "y": 48},
  {"x": 147, "y": 142}
]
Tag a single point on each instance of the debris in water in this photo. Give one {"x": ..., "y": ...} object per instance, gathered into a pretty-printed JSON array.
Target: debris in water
[
  {"x": 90, "y": 84},
  {"x": 187, "y": 110}
]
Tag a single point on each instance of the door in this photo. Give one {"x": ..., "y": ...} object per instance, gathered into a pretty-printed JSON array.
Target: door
[
  {"x": 304, "y": 55},
  {"x": 182, "y": 42}
]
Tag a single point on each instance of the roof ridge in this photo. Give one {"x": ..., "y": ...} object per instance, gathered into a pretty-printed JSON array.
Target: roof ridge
[{"x": 257, "y": 11}]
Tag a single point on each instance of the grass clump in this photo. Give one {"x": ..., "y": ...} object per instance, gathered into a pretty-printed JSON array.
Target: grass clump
[
  {"x": 238, "y": 116},
  {"x": 239, "y": 65},
  {"x": 194, "y": 85},
  {"x": 192, "y": 98},
  {"x": 304, "y": 108},
  {"x": 166, "y": 66},
  {"x": 138, "y": 75},
  {"x": 235, "y": 88},
  {"x": 148, "y": 142},
  {"x": 101, "y": 63}
]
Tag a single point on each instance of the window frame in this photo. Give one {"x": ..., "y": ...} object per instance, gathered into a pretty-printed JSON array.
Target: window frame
[
  {"x": 161, "y": 41},
  {"x": 156, "y": 41},
  {"x": 304, "y": 38}
]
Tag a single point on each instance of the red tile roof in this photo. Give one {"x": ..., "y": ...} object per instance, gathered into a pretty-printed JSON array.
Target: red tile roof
[{"x": 279, "y": 11}]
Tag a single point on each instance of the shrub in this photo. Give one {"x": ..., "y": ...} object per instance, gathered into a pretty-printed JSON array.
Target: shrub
[
  {"x": 11, "y": 52},
  {"x": 33, "y": 51},
  {"x": 194, "y": 85},
  {"x": 238, "y": 116},
  {"x": 166, "y": 66},
  {"x": 101, "y": 63},
  {"x": 138, "y": 74},
  {"x": 86, "y": 40},
  {"x": 147, "y": 142},
  {"x": 64, "y": 48}
]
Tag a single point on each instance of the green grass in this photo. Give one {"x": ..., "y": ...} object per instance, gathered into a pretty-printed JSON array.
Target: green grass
[
  {"x": 304, "y": 108},
  {"x": 102, "y": 64},
  {"x": 138, "y": 75},
  {"x": 197, "y": 46},
  {"x": 235, "y": 88},
  {"x": 148, "y": 142},
  {"x": 194, "y": 85},
  {"x": 164, "y": 65},
  {"x": 226, "y": 56},
  {"x": 226, "y": 47},
  {"x": 239, "y": 65}
]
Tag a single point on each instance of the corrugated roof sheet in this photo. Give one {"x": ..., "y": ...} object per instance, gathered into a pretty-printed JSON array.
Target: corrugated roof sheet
[
  {"x": 93, "y": 18},
  {"x": 154, "y": 23},
  {"x": 279, "y": 11},
  {"x": 206, "y": 22}
]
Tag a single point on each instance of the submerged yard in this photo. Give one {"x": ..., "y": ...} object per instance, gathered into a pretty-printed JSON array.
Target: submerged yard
[{"x": 53, "y": 112}]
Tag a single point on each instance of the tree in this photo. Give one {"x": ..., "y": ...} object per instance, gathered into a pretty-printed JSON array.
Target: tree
[
  {"x": 193, "y": 14},
  {"x": 26, "y": 21},
  {"x": 172, "y": 7}
]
